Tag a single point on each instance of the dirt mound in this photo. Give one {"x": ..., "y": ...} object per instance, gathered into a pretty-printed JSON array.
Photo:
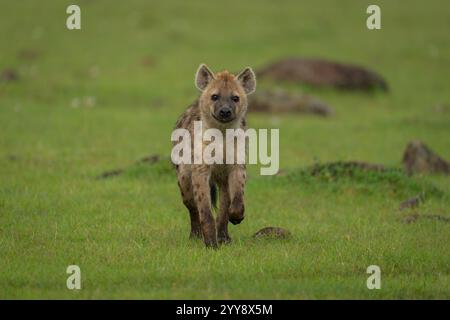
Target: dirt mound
[
  {"x": 281, "y": 101},
  {"x": 418, "y": 158},
  {"x": 319, "y": 72},
  {"x": 345, "y": 167}
]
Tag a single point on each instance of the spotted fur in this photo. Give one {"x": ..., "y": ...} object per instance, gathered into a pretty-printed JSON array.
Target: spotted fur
[{"x": 198, "y": 183}]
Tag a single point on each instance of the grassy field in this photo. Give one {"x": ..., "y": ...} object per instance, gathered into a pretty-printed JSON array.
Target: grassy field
[{"x": 103, "y": 97}]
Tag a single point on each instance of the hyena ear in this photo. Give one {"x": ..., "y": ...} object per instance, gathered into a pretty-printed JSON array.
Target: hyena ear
[
  {"x": 247, "y": 79},
  {"x": 203, "y": 77}
]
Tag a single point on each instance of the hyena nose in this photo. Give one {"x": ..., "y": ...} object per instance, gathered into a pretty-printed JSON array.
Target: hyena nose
[{"x": 225, "y": 112}]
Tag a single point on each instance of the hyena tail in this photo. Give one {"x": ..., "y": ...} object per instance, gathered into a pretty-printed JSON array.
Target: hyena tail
[{"x": 213, "y": 192}]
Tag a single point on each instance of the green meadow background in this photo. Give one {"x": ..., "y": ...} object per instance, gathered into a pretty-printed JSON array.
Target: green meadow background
[{"x": 100, "y": 98}]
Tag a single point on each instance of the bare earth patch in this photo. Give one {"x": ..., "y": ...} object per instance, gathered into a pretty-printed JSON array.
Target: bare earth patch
[{"x": 320, "y": 73}]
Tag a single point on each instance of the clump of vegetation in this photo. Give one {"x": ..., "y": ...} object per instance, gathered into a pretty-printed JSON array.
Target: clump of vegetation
[{"x": 364, "y": 176}]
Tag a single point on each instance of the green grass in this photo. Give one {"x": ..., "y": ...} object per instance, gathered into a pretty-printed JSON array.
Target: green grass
[{"x": 129, "y": 234}]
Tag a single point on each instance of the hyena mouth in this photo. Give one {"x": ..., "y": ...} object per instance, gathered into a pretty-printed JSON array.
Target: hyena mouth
[{"x": 227, "y": 120}]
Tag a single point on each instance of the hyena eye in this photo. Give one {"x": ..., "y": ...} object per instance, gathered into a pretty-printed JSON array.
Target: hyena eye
[
  {"x": 215, "y": 97},
  {"x": 235, "y": 98}
]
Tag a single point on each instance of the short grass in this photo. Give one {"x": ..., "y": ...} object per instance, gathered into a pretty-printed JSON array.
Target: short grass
[{"x": 103, "y": 97}]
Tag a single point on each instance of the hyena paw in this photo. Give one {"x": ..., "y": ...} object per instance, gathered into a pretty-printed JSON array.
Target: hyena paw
[
  {"x": 236, "y": 210},
  {"x": 211, "y": 244},
  {"x": 236, "y": 215},
  {"x": 224, "y": 239}
]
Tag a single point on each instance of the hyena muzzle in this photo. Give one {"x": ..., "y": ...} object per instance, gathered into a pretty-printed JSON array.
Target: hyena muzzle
[{"x": 221, "y": 105}]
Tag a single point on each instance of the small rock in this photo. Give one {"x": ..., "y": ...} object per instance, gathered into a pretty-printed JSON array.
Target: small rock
[
  {"x": 413, "y": 202},
  {"x": 418, "y": 158},
  {"x": 274, "y": 232}
]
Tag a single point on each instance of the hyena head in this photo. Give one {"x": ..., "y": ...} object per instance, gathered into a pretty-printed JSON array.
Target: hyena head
[{"x": 223, "y": 101}]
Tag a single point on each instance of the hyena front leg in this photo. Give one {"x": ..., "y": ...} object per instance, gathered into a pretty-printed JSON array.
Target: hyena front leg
[
  {"x": 236, "y": 185},
  {"x": 201, "y": 188},
  {"x": 222, "y": 218},
  {"x": 185, "y": 184}
]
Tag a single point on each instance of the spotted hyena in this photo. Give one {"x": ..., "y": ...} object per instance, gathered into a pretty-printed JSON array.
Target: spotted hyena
[{"x": 221, "y": 105}]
